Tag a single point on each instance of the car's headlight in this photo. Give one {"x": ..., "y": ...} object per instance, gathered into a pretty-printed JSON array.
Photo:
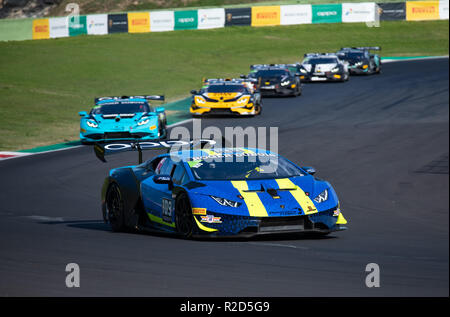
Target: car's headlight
[
  {"x": 335, "y": 70},
  {"x": 302, "y": 70},
  {"x": 92, "y": 124},
  {"x": 243, "y": 100},
  {"x": 144, "y": 121},
  {"x": 225, "y": 202},
  {"x": 285, "y": 82},
  {"x": 199, "y": 99},
  {"x": 358, "y": 63},
  {"x": 323, "y": 196}
]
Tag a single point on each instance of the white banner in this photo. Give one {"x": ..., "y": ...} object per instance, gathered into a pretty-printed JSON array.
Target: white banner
[
  {"x": 358, "y": 12},
  {"x": 443, "y": 9},
  {"x": 161, "y": 21},
  {"x": 97, "y": 24},
  {"x": 211, "y": 18},
  {"x": 295, "y": 14},
  {"x": 59, "y": 27}
]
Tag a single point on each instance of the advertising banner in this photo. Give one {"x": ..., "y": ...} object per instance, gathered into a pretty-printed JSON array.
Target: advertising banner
[
  {"x": 77, "y": 25},
  {"x": 443, "y": 9},
  {"x": 326, "y": 13},
  {"x": 117, "y": 23},
  {"x": 41, "y": 29},
  {"x": 161, "y": 21},
  {"x": 358, "y": 12},
  {"x": 296, "y": 14},
  {"x": 238, "y": 16},
  {"x": 59, "y": 27},
  {"x": 186, "y": 20},
  {"x": 422, "y": 10},
  {"x": 211, "y": 18},
  {"x": 392, "y": 11},
  {"x": 139, "y": 22},
  {"x": 97, "y": 24},
  {"x": 266, "y": 16}
]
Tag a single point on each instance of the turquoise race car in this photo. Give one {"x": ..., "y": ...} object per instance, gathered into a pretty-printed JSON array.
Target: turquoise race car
[
  {"x": 123, "y": 118},
  {"x": 361, "y": 60}
]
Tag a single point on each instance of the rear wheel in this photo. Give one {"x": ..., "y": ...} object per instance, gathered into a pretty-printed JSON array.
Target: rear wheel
[
  {"x": 115, "y": 208},
  {"x": 184, "y": 220}
]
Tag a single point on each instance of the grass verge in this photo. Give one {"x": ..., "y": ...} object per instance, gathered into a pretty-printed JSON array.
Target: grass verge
[{"x": 43, "y": 84}]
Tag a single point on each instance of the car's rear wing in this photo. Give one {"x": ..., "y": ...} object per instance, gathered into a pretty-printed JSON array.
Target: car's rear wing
[
  {"x": 147, "y": 97},
  {"x": 101, "y": 150},
  {"x": 363, "y": 48}
]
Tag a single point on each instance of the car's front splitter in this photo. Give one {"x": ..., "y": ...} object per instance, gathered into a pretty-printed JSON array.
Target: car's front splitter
[{"x": 224, "y": 225}]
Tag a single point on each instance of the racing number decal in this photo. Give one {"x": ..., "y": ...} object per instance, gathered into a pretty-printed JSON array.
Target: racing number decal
[{"x": 167, "y": 210}]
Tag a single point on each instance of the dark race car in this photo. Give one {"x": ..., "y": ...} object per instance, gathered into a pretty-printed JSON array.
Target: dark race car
[
  {"x": 323, "y": 67},
  {"x": 360, "y": 60},
  {"x": 276, "y": 80}
]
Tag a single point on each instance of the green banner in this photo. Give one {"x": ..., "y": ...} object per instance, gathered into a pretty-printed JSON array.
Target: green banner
[
  {"x": 186, "y": 20},
  {"x": 77, "y": 26},
  {"x": 327, "y": 13},
  {"x": 16, "y": 29}
]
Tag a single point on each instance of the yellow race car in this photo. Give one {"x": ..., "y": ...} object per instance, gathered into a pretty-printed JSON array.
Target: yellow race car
[{"x": 226, "y": 97}]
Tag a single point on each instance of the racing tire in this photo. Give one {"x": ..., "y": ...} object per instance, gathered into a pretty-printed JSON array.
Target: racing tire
[
  {"x": 258, "y": 110},
  {"x": 115, "y": 208},
  {"x": 184, "y": 220}
]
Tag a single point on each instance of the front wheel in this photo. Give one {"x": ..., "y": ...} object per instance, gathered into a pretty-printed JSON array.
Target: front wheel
[{"x": 184, "y": 220}]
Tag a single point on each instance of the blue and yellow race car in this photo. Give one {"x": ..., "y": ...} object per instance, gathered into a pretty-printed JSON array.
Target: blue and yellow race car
[
  {"x": 125, "y": 117},
  {"x": 196, "y": 190}
]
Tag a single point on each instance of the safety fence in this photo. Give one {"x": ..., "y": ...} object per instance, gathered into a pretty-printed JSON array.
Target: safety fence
[{"x": 158, "y": 21}]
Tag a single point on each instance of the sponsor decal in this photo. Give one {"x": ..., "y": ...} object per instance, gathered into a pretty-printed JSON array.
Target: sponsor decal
[
  {"x": 443, "y": 9},
  {"x": 422, "y": 10},
  {"x": 139, "y": 22},
  {"x": 211, "y": 18},
  {"x": 210, "y": 219},
  {"x": 358, "y": 12},
  {"x": 295, "y": 14},
  {"x": 238, "y": 16},
  {"x": 117, "y": 23},
  {"x": 59, "y": 27},
  {"x": 77, "y": 26},
  {"x": 327, "y": 13},
  {"x": 265, "y": 16},
  {"x": 41, "y": 29},
  {"x": 392, "y": 11},
  {"x": 199, "y": 211},
  {"x": 97, "y": 24},
  {"x": 186, "y": 20}
]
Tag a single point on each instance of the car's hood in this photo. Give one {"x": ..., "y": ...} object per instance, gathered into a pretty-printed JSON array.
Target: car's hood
[
  {"x": 220, "y": 96},
  {"x": 268, "y": 197},
  {"x": 119, "y": 122}
]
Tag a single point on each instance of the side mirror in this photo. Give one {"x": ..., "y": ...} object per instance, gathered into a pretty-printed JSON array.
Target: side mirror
[
  {"x": 194, "y": 92},
  {"x": 159, "y": 109},
  {"x": 82, "y": 113},
  {"x": 310, "y": 170},
  {"x": 163, "y": 179}
]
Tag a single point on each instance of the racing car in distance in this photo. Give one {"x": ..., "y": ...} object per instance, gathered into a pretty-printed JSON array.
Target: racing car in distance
[
  {"x": 323, "y": 67},
  {"x": 204, "y": 191},
  {"x": 361, "y": 60},
  {"x": 275, "y": 80},
  {"x": 226, "y": 97},
  {"x": 124, "y": 117}
]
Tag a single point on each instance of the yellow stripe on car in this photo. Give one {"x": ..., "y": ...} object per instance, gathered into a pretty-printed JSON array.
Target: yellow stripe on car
[
  {"x": 299, "y": 195},
  {"x": 254, "y": 204}
]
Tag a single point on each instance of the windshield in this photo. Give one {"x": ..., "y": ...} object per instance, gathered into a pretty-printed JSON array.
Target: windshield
[
  {"x": 270, "y": 73},
  {"x": 225, "y": 88},
  {"x": 121, "y": 107},
  {"x": 354, "y": 55},
  {"x": 251, "y": 167},
  {"x": 315, "y": 61}
]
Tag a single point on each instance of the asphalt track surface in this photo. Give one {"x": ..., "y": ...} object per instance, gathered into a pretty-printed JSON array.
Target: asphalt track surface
[{"x": 382, "y": 141}]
